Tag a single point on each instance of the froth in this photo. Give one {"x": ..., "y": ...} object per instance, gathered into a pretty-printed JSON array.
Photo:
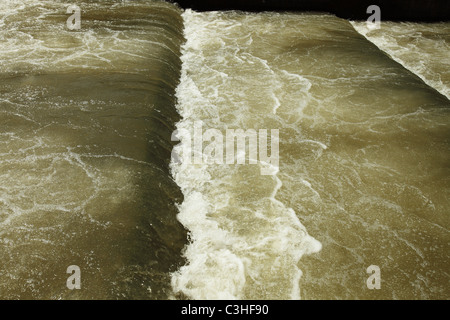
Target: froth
[{"x": 245, "y": 244}]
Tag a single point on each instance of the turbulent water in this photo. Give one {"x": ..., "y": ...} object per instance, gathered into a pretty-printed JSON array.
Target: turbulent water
[
  {"x": 88, "y": 121},
  {"x": 423, "y": 48},
  {"x": 363, "y": 164}
]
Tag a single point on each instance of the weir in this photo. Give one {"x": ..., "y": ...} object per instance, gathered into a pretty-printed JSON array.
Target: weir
[
  {"x": 87, "y": 182},
  {"x": 410, "y": 10},
  {"x": 86, "y": 118}
]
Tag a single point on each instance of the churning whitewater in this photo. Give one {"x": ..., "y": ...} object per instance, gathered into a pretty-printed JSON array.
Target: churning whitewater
[{"x": 422, "y": 48}]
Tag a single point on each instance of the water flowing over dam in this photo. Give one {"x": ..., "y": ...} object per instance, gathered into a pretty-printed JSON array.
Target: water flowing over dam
[
  {"x": 86, "y": 120},
  {"x": 98, "y": 129}
]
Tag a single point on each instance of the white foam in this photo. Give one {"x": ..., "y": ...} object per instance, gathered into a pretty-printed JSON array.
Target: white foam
[
  {"x": 239, "y": 248},
  {"x": 322, "y": 145}
]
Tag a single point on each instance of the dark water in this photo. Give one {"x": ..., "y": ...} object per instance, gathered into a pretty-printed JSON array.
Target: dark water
[{"x": 86, "y": 119}]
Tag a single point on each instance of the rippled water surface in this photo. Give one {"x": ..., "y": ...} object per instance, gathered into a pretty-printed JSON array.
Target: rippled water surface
[{"x": 86, "y": 118}]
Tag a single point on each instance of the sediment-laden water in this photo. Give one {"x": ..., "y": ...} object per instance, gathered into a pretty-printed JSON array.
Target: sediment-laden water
[
  {"x": 363, "y": 146},
  {"x": 422, "y": 48},
  {"x": 89, "y": 176},
  {"x": 86, "y": 119}
]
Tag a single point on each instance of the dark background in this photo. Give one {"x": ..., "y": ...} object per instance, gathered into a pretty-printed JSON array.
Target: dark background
[{"x": 397, "y": 10}]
